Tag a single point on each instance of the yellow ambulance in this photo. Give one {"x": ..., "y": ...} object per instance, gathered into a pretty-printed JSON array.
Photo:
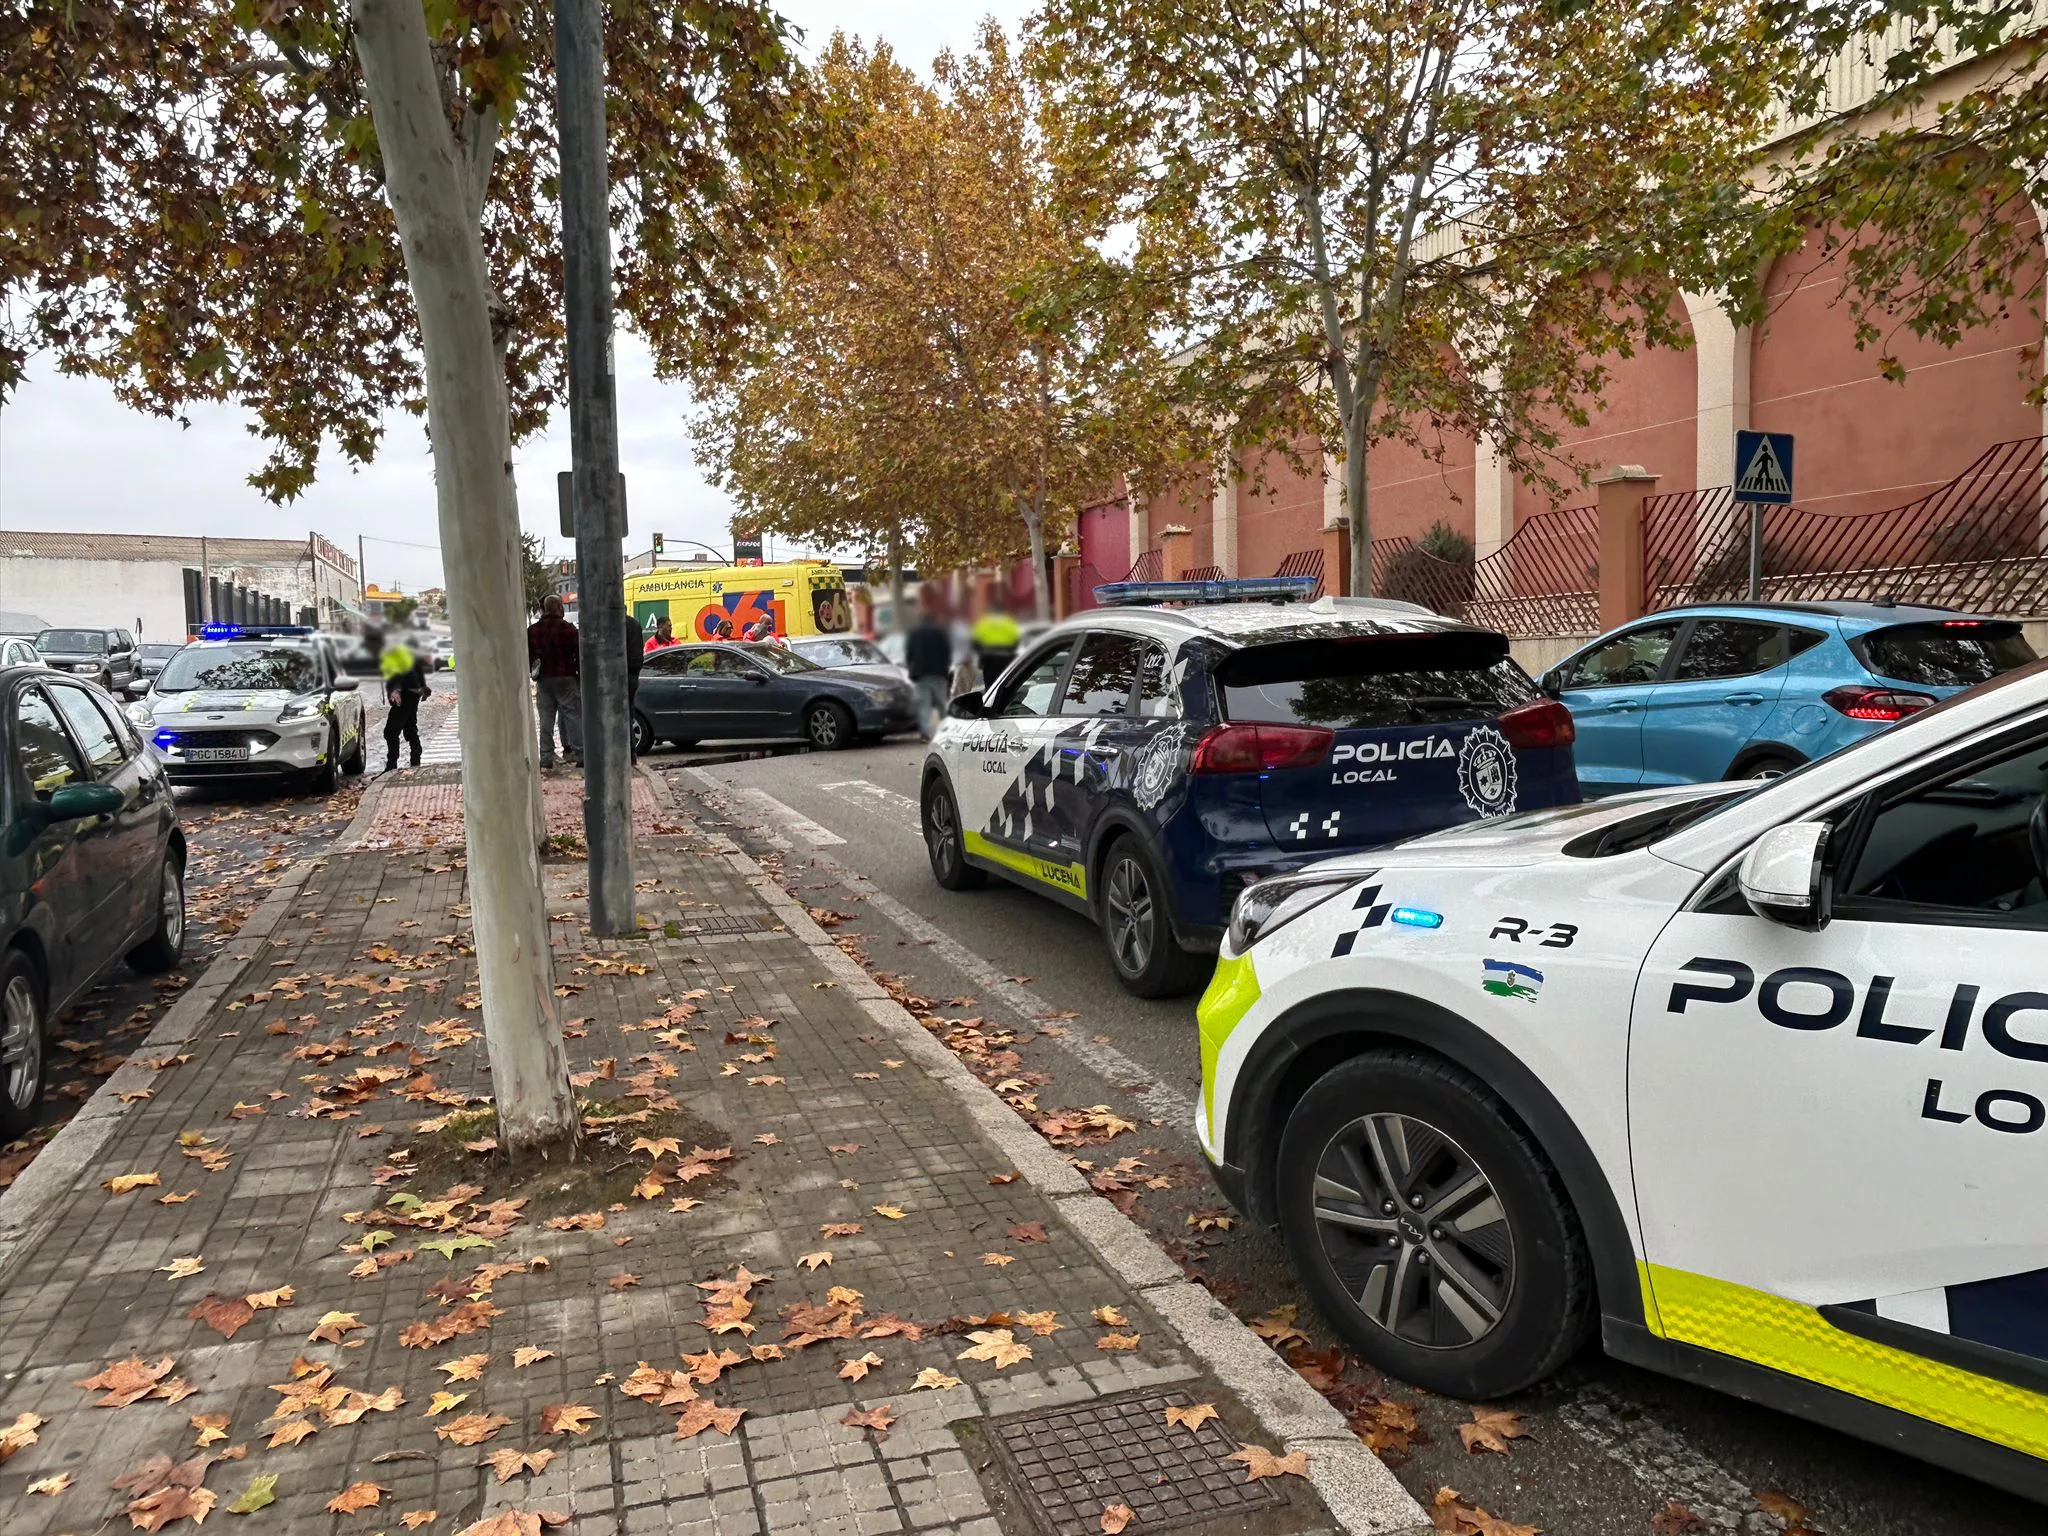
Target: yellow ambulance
[{"x": 804, "y": 597}]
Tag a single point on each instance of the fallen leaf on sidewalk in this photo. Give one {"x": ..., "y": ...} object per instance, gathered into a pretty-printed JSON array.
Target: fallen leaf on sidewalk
[
  {"x": 176, "y": 1199},
  {"x": 702, "y": 1414},
  {"x": 892, "y": 1212},
  {"x": 52, "y": 1486},
  {"x": 126, "y": 1381},
  {"x": 1277, "y": 1328},
  {"x": 530, "y": 1354},
  {"x": 159, "y": 1509},
  {"x": 843, "y": 1148},
  {"x": 445, "y": 1402},
  {"x": 1117, "y": 1341},
  {"x": 878, "y": 1419},
  {"x": 1454, "y": 1517},
  {"x": 212, "y": 1427},
  {"x": 122, "y": 1183},
  {"x": 657, "y": 1147},
  {"x": 707, "y": 1367},
  {"x": 1211, "y": 1220},
  {"x": 508, "y": 1464},
  {"x": 264, "y": 1301},
  {"x": 472, "y": 1428},
  {"x": 840, "y": 1229},
  {"x": 1260, "y": 1462},
  {"x": 1029, "y": 1232},
  {"x": 1111, "y": 1317},
  {"x": 291, "y": 1432},
  {"x": 566, "y": 1419},
  {"x": 1115, "y": 1517},
  {"x": 464, "y": 1367},
  {"x": 1044, "y": 1324},
  {"x": 622, "y": 1280},
  {"x": 260, "y": 1494},
  {"x": 21, "y": 1433},
  {"x": 182, "y": 1269},
  {"x": 1674, "y": 1519},
  {"x": 811, "y": 1261},
  {"x": 583, "y": 1221},
  {"x": 356, "y": 1496},
  {"x": 1004, "y": 1178},
  {"x": 931, "y": 1379},
  {"x": 1193, "y": 1416},
  {"x": 332, "y": 1326},
  {"x": 855, "y": 1370},
  {"x": 998, "y": 1260},
  {"x": 996, "y": 1344},
  {"x": 769, "y": 1138},
  {"x": 413, "y": 1519},
  {"x": 1491, "y": 1429}
]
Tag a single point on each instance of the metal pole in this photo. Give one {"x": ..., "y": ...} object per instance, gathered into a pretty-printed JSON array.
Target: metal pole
[
  {"x": 1756, "y": 550},
  {"x": 594, "y": 455},
  {"x": 205, "y": 582}
]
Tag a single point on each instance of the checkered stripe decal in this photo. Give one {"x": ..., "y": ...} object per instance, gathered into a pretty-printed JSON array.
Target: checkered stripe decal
[{"x": 1375, "y": 912}]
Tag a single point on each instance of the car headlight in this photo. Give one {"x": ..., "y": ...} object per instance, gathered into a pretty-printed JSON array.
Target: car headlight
[
  {"x": 300, "y": 709},
  {"x": 1272, "y": 904},
  {"x": 141, "y": 716}
]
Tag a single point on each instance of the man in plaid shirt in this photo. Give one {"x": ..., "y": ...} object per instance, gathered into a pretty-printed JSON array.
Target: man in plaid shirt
[{"x": 551, "y": 648}]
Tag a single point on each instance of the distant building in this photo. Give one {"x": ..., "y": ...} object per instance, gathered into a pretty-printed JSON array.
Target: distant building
[{"x": 164, "y": 586}]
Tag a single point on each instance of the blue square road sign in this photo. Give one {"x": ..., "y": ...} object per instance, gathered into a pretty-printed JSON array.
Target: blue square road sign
[{"x": 1763, "y": 468}]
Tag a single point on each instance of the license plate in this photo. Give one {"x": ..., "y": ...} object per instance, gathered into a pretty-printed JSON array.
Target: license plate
[{"x": 216, "y": 754}]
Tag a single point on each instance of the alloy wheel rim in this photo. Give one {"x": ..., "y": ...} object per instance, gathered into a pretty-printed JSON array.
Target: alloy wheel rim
[
  {"x": 1414, "y": 1231},
  {"x": 939, "y": 833},
  {"x": 21, "y": 1042},
  {"x": 1130, "y": 916},
  {"x": 171, "y": 903},
  {"x": 824, "y": 727}
]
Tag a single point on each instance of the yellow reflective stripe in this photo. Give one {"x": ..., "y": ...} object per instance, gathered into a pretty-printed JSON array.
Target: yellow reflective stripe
[
  {"x": 1791, "y": 1337},
  {"x": 1071, "y": 878},
  {"x": 1231, "y": 992}
]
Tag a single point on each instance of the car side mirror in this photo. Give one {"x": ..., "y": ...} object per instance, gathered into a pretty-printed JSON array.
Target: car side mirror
[
  {"x": 345, "y": 684},
  {"x": 1783, "y": 876},
  {"x": 1552, "y": 682},
  {"x": 968, "y": 706},
  {"x": 75, "y": 802}
]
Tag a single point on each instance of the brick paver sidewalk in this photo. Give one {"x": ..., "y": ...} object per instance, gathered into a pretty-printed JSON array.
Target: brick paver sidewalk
[{"x": 271, "y": 1279}]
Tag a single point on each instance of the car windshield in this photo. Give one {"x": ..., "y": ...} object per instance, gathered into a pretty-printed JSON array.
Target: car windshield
[
  {"x": 1950, "y": 653},
  {"x": 776, "y": 659},
  {"x": 71, "y": 640},
  {"x": 1374, "y": 680},
  {"x": 841, "y": 653},
  {"x": 237, "y": 667}
]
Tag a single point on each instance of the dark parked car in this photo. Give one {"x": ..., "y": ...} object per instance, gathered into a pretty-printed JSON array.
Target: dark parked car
[
  {"x": 693, "y": 693},
  {"x": 92, "y": 865},
  {"x": 150, "y": 659},
  {"x": 107, "y": 656}
]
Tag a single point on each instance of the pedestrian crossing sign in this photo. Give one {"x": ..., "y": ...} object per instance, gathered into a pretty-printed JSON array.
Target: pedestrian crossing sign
[{"x": 1763, "y": 468}]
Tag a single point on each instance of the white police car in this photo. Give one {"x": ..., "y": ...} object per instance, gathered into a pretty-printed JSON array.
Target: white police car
[
  {"x": 1144, "y": 764},
  {"x": 254, "y": 701},
  {"x": 1755, "y": 1081}
]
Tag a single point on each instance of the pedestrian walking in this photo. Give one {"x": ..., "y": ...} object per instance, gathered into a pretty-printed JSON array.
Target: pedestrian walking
[
  {"x": 928, "y": 657},
  {"x": 663, "y": 637},
  {"x": 405, "y": 684},
  {"x": 551, "y": 642}
]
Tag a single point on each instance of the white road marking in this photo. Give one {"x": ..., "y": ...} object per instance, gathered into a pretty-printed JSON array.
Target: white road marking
[
  {"x": 1160, "y": 1100},
  {"x": 1669, "y": 1465},
  {"x": 874, "y": 797},
  {"x": 789, "y": 817}
]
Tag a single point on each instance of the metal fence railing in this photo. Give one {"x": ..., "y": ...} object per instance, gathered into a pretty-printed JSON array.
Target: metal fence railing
[
  {"x": 1979, "y": 542},
  {"x": 1145, "y": 568},
  {"x": 1203, "y": 573},
  {"x": 1304, "y": 562}
]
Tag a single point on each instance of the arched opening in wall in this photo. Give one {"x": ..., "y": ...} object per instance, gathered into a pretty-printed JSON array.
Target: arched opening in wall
[{"x": 1864, "y": 441}]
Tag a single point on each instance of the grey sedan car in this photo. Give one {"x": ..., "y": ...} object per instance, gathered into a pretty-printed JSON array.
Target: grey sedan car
[{"x": 759, "y": 690}]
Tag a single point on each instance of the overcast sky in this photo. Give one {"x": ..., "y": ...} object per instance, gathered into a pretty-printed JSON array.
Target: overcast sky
[{"x": 73, "y": 458}]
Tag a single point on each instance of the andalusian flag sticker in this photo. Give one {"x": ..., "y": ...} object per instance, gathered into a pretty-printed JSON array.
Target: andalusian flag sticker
[{"x": 1510, "y": 978}]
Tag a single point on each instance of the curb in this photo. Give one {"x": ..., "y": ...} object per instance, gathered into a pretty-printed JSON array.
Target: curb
[
  {"x": 1361, "y": 1494},
  {"x": 28, "y": 1205}
]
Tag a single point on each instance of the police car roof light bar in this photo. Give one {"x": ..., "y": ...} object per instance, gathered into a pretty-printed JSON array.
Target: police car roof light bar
[
  {"x": 1230, "y": 589},
  {"x": 252, "y": 631}
]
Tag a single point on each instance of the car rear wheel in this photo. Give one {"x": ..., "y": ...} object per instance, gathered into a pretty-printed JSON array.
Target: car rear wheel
[
  {"x": 1430, "y": 1229},
  {"x": 1772, "y": 765},
  {"x": 21, "y": 1045},
  {"x": 165, "y": 946},
  {"x": 1142, "y": 949},
  {"x": 828, "y": 726},
  {"x": 643, "y": 735},
  {"x": 943, "y": 842}
]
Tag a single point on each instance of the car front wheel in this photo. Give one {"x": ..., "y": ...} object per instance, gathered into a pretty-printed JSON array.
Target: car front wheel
[
  {"x": 1142, "y": 949},
  {"x": 165, "y": 946},
  {"x": 828, "y": 726},
  {"x": 943, "y": 843},
  {"x": 643, "y": 735},
  {"x": 21, "y": 1045},
  {"x": 1430, "y": 1229}
]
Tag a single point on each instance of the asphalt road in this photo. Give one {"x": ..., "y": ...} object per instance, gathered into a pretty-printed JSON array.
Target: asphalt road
[{"x": 1608, "y": 1446}]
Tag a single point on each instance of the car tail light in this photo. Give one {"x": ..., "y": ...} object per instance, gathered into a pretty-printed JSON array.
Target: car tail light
[
  {"x": 1865, "y": 703},
  {"x": 1539, "y": 723},
  {"x": 1260, "y": 748}
]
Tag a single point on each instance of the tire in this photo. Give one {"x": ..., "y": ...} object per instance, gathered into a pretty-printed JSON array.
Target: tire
[
  {"x": 943, "y": 844},
  {"x": 323, "y": 779},
  {"x": 165, "y": 946},
  {"x": 643, "y": 735},
  {"x": 353, "y": 764},
  {"x": 828, "y": 727},
  {"x": 1137, "y": 930},
  {"x": 24, "y": 1051},
  {"x": 1770, "y": 765},
  {"x": 1521, "y": 1300}
]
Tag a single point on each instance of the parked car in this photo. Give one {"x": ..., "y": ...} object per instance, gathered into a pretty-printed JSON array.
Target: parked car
[
  {"x": 107, "y": 656},
  {"x": 854, "y": 654},
  {"x": 17, "y": 652},
  {"x": 1752, "y": 690},
  {"x": 1744, "y": 1082},
  {"x": 150, "y": 659},
  {"x": 693, "y": 693},
  {"x": 1143, "y": 765},
  {"x": 92, "y": 865}
]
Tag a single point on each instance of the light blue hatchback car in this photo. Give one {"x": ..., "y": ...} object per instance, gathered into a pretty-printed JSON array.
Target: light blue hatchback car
[{"x": 1751, "y": 690}]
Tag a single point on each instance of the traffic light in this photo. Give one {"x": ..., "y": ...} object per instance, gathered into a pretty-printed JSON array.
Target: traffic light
[{"x": 657, "y": 544}]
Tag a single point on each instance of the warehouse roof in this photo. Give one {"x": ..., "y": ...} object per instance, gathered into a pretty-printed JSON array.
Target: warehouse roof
[{"x": 150, "y": 546}]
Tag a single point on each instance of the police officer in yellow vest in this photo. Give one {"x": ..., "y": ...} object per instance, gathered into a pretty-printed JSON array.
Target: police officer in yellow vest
[{"x": 405, "y": 684}]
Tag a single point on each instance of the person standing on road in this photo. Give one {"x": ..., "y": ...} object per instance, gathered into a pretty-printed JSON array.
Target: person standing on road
[
  {"x": 405, "y": 684},
  {"x": 995, "y": 637},
  {"x": 551, "y": 642},
  {"x": 663, "y": 637},
  {"x": 928, "y": 658},
  {"x": 636, "y": 657}
]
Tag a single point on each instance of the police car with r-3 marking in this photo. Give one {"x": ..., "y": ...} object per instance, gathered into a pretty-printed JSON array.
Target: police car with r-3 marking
[{"x": 1751, "y": 1081}]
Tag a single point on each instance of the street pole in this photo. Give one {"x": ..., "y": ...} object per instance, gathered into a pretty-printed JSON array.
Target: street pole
[
  {"x": 594, "y": 455},
  {"x": 1756, "y": 550}
]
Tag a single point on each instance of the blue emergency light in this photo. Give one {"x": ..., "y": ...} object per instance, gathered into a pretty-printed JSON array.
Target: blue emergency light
[
  {"x": 1416, "y": 917},
  {"x": 1228, "y": 589},
  {"x": 252, "y": 631}
]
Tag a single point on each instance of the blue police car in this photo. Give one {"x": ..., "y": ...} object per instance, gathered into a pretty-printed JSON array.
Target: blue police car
[
  {"x": 1143, "y": 764},
  {"x": 1753, "y": 690}
]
